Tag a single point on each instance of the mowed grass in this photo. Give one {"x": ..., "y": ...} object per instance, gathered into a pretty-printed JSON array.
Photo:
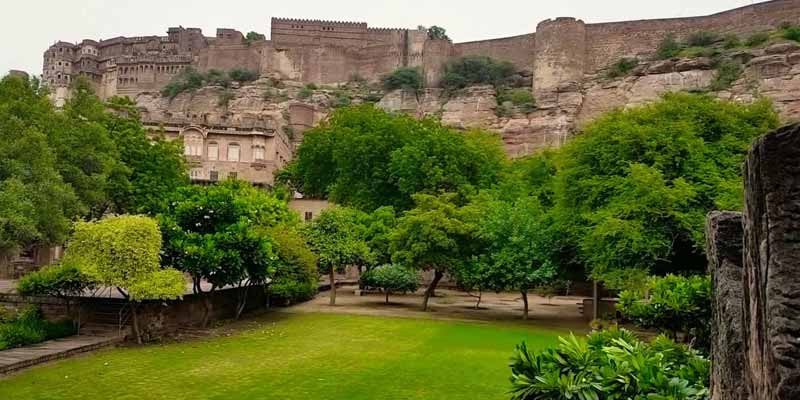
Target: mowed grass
[{"x": 298, "y": 356}]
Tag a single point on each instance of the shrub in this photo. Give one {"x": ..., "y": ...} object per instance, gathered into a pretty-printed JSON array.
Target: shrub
[
  {"x": 28, "y": 327},
  {"x": 757, "y": 39},
  {"x": 60, "y": 280},
  {"x": 668, "y": 48},
  {"x": 672, "y": 304},
  {"x": 791, "y": 32},
  {"x": 305, "y": 92},
  {"x": 390, "y": 278},
  {"x": 731, "y": 41},
  {"x": 622, "y": 67},
  {"x": 288, "y": 292},
  {"x": 243, "y": 75},
  {"x": 610, "y": 365},
  {"x": 225, "y": 98},
  {"x": 340, "y": 100},
  {"x": 296, "y": 278},
  {"x": 522, "y": 99},
  {"x": 702, "y": 39},
  {"x": 188, "y": 80},
  {"x": 253, "y": 36},
  {"x": 476, "y": 70},
  {"x": 728, "y": 71},
  {"x": 403, "y": 78},
  {"x": 694, "y": 52}
]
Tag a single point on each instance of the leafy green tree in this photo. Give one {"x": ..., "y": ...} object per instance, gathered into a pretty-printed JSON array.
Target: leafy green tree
[
  {"x": 297, "y": 277},
  {"x": 36, "y": 205},
  {"x": 366, "y": 158},
  {"x": 520, "y": 247},
  {"x": 633, "y": 190},
  {"x": 213, "y": 234},
  {"x": 337, "y": 237},
  {"x": 390, "y": 278},
  {"x": 437, "y": 33},
  {"x": 155, "y": 167},
  {"x": 123, "y": 252},
  {"x": 254, "y": 36},
  {"x": 379, "y": 225},
  {"x": 436, "y": 235}
]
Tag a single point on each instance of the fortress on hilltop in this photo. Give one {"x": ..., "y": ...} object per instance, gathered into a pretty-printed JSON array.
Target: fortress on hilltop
[
  {"x": 559, "y": 52},
  {"x": 564, "y": 63}
]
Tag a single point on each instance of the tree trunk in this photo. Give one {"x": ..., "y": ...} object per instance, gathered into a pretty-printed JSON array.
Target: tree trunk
[
  {"x": 333, "y": 286},
  {"x": 136, "y": 331},
  {"x": 437, "y": 276},
  {"x": 207, "y": 307},
  {"x": 387, "y": 296},
  {"x": 595, "y": 301},
  {"x": 525, "y": 302},
  {"x": 480, "y": 297},
  {"x": 242, "y": 301}
]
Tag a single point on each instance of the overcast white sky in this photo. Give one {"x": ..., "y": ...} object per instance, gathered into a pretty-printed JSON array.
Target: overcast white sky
[{"x": 30, "y": 26}]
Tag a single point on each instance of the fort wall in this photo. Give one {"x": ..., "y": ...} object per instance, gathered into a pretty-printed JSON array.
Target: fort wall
[{"x": 517, "y": 50}]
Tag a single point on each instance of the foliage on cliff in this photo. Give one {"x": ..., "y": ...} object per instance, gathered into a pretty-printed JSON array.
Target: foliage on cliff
[
  {"x": 476, "y": 70},
  {"x": 190, "y": 80}
]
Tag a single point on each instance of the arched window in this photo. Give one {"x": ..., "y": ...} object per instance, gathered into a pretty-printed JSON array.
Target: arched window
[
  {"x": 193, "y": 144},
  {"x": 213, "y": 151},
  {"x": 233, "y": 152}
]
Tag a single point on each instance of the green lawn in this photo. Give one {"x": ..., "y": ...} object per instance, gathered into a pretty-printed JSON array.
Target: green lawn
[{"x": 288, "y": 356}]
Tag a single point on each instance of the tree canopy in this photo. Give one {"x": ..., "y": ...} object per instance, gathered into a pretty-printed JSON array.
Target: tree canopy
[{"x": 366, "y": 158}]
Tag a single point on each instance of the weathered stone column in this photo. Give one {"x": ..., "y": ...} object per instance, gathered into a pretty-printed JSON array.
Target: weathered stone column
[
  {"x": 772, "y": 266},
  {"x": 724, "y": 238}
]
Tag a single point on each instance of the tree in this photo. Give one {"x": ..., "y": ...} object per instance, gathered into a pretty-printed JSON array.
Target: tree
[
  {"x": 215, "y": 235},
  {"x": 379, "y": 225},
  {"x": 253, "y": 36},
  {"x": 437, "y": 33},
  {"x": 633, "y": 189},
  {"x": 366, "y": 158},
  {"x": 390, "y": 278},
  {"x": 436, "y": 235},
  {"x": 155, "y": 166},
  {"x": 337, "y": 237},
  {"x": 520, "y": 247},
  {"x": 36, "y": 205},
  {"x": 476, "y": 70},
  {"x": 297, "y": 277},
  {"x": 123, "y": 252}
]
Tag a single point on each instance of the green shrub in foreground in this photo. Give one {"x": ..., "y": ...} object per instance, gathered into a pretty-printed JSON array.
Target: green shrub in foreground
[
  {"x": 610, "y": 365},
  {"x": 672, "y": 304},
  {"x": 29, "y": 327}
]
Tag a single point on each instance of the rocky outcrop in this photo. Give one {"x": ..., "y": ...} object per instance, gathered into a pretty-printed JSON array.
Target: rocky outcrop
[
  {"x": 772, "y": 266},
  {"x": 724, "y": 238}
]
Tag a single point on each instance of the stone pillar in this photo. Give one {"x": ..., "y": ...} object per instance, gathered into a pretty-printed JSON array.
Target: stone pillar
[
  {"x": 724, "y": 238},
  {"x": 772, "y": 266}
]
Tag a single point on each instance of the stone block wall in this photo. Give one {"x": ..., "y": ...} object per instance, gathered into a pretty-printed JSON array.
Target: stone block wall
[
  {"x": 772, "y": 266},
  {"x": 724, "y": 236}
]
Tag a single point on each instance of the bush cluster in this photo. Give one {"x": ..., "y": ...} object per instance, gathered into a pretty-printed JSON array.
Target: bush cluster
[
  {"x": 190, "y": 80},
  {"x": 403, "y": 78},
  {"x": 674, "y": 305},
  {"x": 521, "y": 99},
  {"x": 610, "y": 365},
  {"x": 622, "y": 67},
  {"x": 476, "y": 70},
  {"x": 390, "y": 279},
  {"x": 791, "y": 32},
  {"x": 27, "y": 326},
  {"x": 728, "y": 71}
]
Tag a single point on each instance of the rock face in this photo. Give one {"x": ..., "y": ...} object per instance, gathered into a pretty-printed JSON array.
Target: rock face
[
  {"x": 772, "y": 266},
  {"x": 724, "y": 235}
]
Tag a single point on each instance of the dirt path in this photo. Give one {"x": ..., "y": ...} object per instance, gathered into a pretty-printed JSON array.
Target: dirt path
[{"x": 558, "y": 312}]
